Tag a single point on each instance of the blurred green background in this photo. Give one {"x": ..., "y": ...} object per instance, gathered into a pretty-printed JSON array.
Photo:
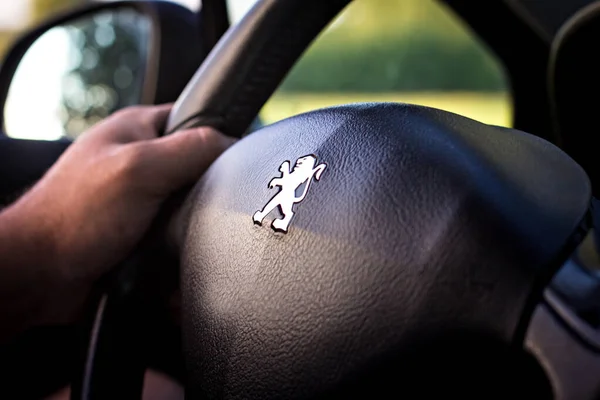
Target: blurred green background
[{"x": 414, "y": 51}]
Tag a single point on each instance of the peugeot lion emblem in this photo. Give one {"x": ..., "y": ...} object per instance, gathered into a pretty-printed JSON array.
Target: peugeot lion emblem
[{"x": 289, "y": 182}]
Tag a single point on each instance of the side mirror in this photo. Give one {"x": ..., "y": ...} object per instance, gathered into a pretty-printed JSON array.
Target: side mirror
[{"x": 67, "y": 74}]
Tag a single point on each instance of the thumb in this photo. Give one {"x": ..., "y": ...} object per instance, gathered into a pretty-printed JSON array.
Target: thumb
[{"x": 182, "y": 157}]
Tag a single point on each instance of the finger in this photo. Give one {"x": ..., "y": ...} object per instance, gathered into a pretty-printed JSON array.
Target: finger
[
  {"x": 181, "y": 158},
  {"x": 147, "y": 122},
  {"x": 158, "y": 116},
  {"x": 134, "y": 124}
]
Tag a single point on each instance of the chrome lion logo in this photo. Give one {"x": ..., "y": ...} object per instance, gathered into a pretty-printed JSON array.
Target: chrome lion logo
[{"x": 290, "y": 181}]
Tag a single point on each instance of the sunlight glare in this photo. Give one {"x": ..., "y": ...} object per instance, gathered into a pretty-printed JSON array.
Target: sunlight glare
[{"x": 32, "y": 109}]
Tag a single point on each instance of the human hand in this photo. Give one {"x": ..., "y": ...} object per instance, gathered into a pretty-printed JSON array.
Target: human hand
[{"x": 95, "y": 204}]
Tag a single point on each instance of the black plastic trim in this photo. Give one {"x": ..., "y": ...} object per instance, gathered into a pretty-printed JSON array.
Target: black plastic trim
[
  {"x": 524, "y": 52},
  {"x": 584, "y": 332}
]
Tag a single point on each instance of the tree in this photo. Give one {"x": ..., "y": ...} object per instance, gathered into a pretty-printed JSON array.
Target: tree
[{"x": 108, "y": 56}]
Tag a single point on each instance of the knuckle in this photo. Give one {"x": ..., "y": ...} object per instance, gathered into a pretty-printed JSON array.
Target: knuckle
[
  {"x": 209, "y": 137},
  {"x": 143, "y": 126},
  {"x": 130, "y": 112},
  {"x": 132, "y": 160}
]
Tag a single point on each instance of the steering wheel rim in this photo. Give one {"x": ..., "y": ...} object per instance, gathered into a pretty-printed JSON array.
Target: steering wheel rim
[{"x": 248, "y": 63}]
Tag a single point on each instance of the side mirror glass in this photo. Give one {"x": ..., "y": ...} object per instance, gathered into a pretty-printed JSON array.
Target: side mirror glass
[
  {"x": 68, "y": 74},
  {"x": 77, "y": 73}
]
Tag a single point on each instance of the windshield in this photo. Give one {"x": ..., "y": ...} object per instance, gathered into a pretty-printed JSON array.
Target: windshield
[{"x": 409, "y": 51}]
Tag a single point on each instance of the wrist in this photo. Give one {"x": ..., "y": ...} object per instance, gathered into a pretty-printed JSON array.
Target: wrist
[
  {"x": 32, "y": 280},
  {"x": 26, "y": 227}
]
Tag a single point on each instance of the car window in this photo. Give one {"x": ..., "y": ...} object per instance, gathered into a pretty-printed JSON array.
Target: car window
[{"x": 413, "y": 51}]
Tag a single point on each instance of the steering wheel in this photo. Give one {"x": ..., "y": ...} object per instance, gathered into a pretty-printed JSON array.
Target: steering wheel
[{"x": 371, "y": 249}]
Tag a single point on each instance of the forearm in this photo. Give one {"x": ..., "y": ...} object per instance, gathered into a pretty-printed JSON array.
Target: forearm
[{"x": 27, "y": 279}]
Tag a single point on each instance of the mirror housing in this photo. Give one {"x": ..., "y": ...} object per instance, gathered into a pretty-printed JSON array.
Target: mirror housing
[{"x": 174, "y": 51}]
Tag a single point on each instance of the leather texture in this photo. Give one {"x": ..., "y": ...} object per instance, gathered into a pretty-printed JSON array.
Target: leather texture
[
  {"x": 249, "y": 62},
  {"x": 573, "y": 81},
  {"x": 419, "y": 254}
]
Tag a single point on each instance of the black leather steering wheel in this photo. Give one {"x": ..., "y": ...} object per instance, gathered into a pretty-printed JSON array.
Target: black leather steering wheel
[{"x": 412, "y": 244}]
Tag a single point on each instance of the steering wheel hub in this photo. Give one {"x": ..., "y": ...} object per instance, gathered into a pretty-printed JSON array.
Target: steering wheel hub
[{"x": 396, "y": 227}]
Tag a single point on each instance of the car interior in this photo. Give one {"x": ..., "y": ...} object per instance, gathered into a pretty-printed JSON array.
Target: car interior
[{"x": 419, "y": 253}]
